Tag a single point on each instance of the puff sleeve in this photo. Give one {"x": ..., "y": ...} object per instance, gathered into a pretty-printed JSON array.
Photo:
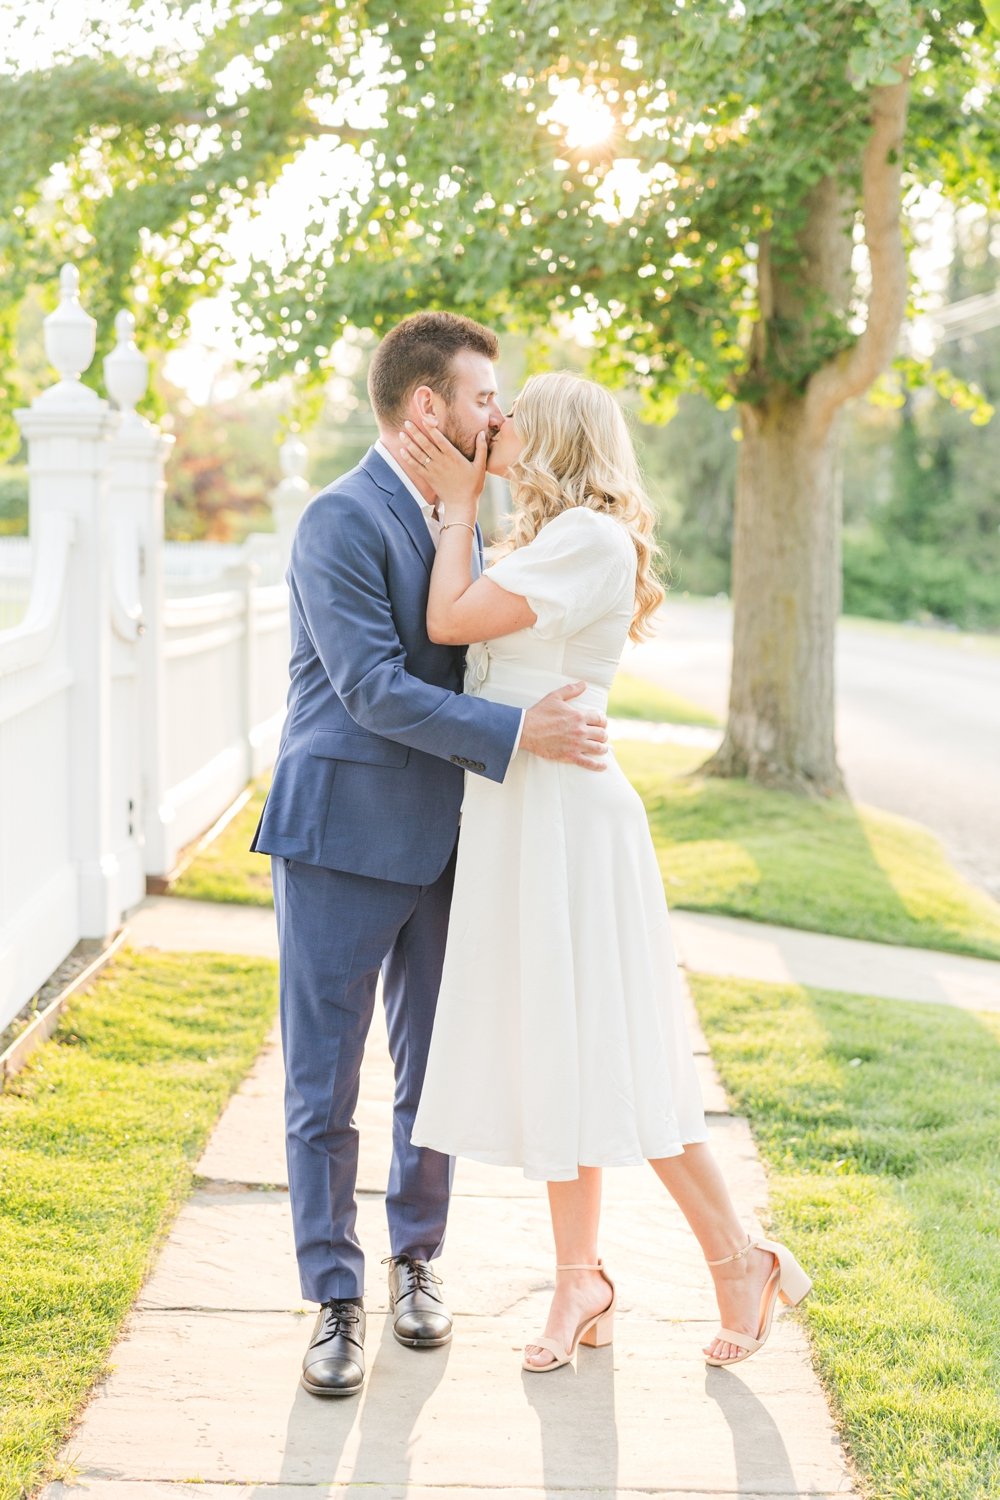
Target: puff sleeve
[{"x": 572, "y": 573}]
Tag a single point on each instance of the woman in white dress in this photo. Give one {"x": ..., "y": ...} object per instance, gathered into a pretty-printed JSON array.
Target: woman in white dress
[{"x": 559, "y": 1042}]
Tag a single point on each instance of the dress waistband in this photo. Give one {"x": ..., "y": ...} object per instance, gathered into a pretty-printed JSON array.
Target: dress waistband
[{"x": 521, "y": 686}]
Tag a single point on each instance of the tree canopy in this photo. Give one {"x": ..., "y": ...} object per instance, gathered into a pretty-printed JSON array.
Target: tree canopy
[
  {"x": 626, "y": 160},
  {"x": 717, "y": 189}
]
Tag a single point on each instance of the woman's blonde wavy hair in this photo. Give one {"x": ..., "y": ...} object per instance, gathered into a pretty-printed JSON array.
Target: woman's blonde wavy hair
[{"x": 578, "y": 451}]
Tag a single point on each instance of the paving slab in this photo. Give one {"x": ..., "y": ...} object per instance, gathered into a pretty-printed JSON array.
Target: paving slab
[
  {"x": 214, "y": 1397},
  {"x": 730, "y": 947},
  {"x": 248, "y": 1146},
  {"x": 112, "y": 1489},
  {"x": 706, "y": 944},
  {"x": 232, "y": 1251},
  {"x": 175, "y": 924}
]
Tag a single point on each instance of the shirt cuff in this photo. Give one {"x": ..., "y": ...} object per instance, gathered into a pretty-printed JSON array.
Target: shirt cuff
[{"x": 520, "y": 731}]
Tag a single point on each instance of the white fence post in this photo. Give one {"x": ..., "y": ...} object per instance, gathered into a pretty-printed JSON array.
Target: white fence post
[
  {"x": 291, "y": 495},
  {"x": 67, "y": 430},
  {"x": 138, "y": 714},
  {"x": 138, "y": 457},
  {"x": 243, "y": 578}
]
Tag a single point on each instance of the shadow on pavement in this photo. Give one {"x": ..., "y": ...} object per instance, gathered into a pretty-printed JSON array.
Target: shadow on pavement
[
  {"x": 366, "y": 1440},
  {"x": 759, "y": 1454},
  {"x": 577, "y": 1423}
]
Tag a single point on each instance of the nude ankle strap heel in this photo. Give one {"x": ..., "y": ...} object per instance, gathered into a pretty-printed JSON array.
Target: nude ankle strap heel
[
  {"x": 595, "y": 1332},
  {"x": 600, "y": 1334},
  {"x": 787, "y": 1281}
]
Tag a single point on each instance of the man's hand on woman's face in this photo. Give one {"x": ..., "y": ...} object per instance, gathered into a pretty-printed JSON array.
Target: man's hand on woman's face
[{"x": 427, "y": 454}]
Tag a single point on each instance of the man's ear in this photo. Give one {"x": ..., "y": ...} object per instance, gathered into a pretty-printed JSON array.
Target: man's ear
[{"x": 423, "y": 400}]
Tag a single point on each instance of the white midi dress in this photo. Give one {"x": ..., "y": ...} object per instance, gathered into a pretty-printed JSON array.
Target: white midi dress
[{"x": 559, "y": 1038}]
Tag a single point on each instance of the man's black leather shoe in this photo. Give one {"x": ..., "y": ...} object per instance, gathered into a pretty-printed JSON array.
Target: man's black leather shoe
[
  {"x": 334, "y": 1363},
  {"x": 420, "y": 1319}
]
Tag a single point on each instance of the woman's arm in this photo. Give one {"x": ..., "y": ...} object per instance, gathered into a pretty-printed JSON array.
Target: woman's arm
[{"x": 459, "y": 611}]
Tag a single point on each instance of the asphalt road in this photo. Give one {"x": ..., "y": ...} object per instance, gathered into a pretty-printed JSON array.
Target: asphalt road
[{"x": 918, "y": 718}]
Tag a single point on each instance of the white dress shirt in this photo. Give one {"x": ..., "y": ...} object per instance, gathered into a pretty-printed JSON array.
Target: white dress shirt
[{"x": 434, "y": 527}]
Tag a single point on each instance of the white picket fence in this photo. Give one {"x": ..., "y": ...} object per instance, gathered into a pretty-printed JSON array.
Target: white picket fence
[
  {"x": 141, "y": 687},
  {"x": 188, "y": 568},
  {"x": 15, "y": 579}
]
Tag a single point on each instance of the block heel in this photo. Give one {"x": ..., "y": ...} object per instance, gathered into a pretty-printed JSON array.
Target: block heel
[
  {"x": 595, "y": 1332},
  {"x": 787, "y": 1281},
  {"x": 602, "y": 1332}
]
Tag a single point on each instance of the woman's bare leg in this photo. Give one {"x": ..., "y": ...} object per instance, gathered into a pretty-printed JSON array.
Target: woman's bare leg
[
  {"x": 576, "y": 1216},
  {"x": 698, "y": 1188}
]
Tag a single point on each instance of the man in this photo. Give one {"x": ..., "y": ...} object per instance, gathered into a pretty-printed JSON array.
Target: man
[{"x": 361, "y": 823}]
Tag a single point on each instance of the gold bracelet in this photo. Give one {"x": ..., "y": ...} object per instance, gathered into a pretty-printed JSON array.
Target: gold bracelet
[{"x": 459, "y": 523}]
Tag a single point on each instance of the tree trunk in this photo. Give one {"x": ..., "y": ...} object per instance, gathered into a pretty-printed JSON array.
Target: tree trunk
[
  {"x": 786, "y": 599},
  {"x": 786, "y": 538},
  {"x": 786, "y": 528}
]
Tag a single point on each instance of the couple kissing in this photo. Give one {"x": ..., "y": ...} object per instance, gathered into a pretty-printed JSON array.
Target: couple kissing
[{"x": 530, "y": 987}]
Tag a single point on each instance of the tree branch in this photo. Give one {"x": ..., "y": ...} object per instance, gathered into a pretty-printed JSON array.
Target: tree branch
[{"x": 852, "y": 372}]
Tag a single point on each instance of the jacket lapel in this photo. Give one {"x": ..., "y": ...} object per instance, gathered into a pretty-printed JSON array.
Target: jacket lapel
[
  {"x": 402, "y": 504},
  {"x": 406, "y": 510}
]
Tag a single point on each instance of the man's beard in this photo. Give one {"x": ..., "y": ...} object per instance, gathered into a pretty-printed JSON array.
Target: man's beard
[{"x": 465, "y": 442}]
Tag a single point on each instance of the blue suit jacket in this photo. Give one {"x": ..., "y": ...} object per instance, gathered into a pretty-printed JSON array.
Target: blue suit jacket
[{"x": 370, "y": 768}]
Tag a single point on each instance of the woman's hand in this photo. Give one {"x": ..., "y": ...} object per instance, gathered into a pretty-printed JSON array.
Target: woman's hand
[{"x": 457, "y": 482}]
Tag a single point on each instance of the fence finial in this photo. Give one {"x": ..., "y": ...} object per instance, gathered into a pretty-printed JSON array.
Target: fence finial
[
  {"x": 126, "y": 368},
  {"x": 292, "y": 494},
  {"x": 294, "y": 456},
  {"x": 70, "y": 340}
]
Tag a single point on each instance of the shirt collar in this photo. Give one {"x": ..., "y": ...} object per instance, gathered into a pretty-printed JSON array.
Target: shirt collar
[{"x": 397, "y": 469}]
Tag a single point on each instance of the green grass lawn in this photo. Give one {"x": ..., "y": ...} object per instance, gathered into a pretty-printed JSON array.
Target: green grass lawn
[
  {"x": 726, "y": 846},
  {"x": 226, "y": 870},
  {"x": 100, "y": 1136},
  {"x": 634, "y": 698},
  {"x": 878, "y": 1123}
]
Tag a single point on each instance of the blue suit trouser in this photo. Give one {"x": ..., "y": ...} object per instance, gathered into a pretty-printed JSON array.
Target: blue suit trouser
[{"x": 335, "y": 933}]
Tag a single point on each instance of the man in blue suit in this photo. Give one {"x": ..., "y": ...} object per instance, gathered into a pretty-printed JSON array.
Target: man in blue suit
[{"x": 361, "y": 823}]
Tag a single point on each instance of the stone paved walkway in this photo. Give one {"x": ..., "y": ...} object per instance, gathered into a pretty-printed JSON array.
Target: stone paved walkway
[
  {"x": 706, "y": 944},
  {"x": 709, "y": 944},
  {"x": 203, "y": 1402}
]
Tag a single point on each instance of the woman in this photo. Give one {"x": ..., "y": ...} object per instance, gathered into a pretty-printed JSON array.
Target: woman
[{"x": 561, "y": 1047}]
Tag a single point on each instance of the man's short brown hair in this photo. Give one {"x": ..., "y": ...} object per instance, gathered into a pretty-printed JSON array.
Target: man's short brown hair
[{"x": 420, "y": 351}]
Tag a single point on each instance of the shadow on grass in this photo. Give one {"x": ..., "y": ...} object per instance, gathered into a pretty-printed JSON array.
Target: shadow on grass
[
  {"x": 729, "y": 846},
  {"x": 878, "y": 1121}
]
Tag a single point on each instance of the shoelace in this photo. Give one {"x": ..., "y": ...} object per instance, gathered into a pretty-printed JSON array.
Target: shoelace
[
  {"x": 342, "y": 1319},
  {"x": 421, "y": 1277}
]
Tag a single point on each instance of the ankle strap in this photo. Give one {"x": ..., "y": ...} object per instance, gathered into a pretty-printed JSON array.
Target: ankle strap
[
  {"x": 580, "y": 1267},
  {"x": 750, "y": 1244}
]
